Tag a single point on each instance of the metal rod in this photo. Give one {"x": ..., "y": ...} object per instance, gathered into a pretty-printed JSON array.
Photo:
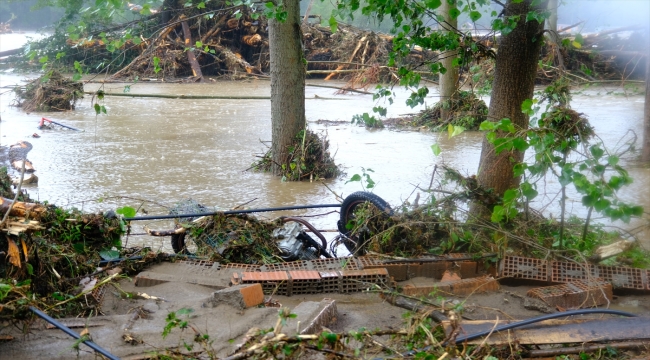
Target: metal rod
[
  {"x": 69, "y": 331},
  {"x": 231, "y": 212},
  {"x": 58, "y": 123}
]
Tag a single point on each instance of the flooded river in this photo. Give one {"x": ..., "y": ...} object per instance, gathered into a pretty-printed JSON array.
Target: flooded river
[{"x": 155, "y": 151}]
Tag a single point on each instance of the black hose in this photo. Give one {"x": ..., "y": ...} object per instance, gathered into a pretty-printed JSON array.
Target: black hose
[
  {"x": 542, "y": 318},
  {"x": 68, "y": 331},
  {"x": 231, "y": 212},
  {"x": 322, "y": 250},
  {"x": 527, "y": 322}
]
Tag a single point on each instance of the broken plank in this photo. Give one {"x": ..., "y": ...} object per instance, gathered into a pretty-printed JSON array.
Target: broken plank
[{"x": 560, "y": 331}]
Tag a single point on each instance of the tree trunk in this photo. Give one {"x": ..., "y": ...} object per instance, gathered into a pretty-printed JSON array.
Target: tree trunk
[
  {"x": 287, "y": 83},
  {"x": 448, "y": 80},
  {"x": 646, "y": 108},
  {"x": 514, "y": 82}
]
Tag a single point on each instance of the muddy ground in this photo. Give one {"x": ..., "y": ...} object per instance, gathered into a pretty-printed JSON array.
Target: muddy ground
[{"x": 141, "y": 321}]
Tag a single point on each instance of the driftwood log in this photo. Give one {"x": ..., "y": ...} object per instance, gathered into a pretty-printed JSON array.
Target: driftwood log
[{"x": 23, "y": 209}]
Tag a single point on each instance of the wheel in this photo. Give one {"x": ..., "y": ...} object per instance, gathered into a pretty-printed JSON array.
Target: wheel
[
  {"x": 354, "y": 242},
  {"x": 181, "y": 246}
]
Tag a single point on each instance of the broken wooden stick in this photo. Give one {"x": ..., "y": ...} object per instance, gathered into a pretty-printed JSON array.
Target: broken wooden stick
[
  {"x": 196, "y": 69},
  {"x": 611, "y": 250},
  {"x": 176, "y": 231}
]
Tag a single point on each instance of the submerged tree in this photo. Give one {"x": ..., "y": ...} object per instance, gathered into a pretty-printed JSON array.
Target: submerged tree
[
  {"x": 287, "y": 82},
  {"x": 514, "y": 82}
]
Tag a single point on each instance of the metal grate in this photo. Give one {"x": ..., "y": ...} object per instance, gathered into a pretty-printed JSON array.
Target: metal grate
[{"x": 524, "y": 268}]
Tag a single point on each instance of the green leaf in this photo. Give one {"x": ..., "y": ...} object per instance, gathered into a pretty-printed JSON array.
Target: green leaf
[
  {"x": 30, "y": 270},
  {"x": 185, "y": 311},
  {"x": 601, "y": 204},
  {"x": 355, "y": 177},
  {"x": 269, "y": 5},
  {"x": 126, "y": 211},
  {"x": 433, "y": 4},
  {"x": 198, "y": 44},
  {"x": 109, "y": 254},
  {"x": 333, "y": 24},
  {"x": 201, "y": 5},
  {"x": 596, "y": 152},
  {"x": 474, "y": 15},
  {"x": 497, "y": 214},
  {"x": 98, "y": 109},
  {"x": 454, "y": 130},
  {"x": 454, "y": 13},
  {"x": 612, "y": 160},
  {"x": 436, "y": 149},
  {"x": 486, "y": 126}
]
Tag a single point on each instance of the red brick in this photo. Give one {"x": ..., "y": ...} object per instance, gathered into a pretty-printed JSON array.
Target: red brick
[
  {"x": 459, "y": 287},
  {"x": 240, "y": 296},
  {"x": 575, "y": 294},
  {"x": 449, "y": 276}
]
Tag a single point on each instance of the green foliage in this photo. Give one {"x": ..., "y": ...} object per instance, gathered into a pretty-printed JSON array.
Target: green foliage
[
  {"x": 595, "y": 172},
  {"x": 365, "y": 179},
  {"x": 367, "y": 120}
]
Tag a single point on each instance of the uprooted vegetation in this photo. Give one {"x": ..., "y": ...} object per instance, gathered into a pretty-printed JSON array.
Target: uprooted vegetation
[
  {"x": 465, "y": 110},
  {"x": 309, "y": 159},
  {"x": 50, "y": 92}
]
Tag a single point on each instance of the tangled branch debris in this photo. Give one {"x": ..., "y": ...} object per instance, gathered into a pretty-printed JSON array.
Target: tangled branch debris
[
  {"x": 50, "y": 92},
  {"x": 309, "y": 158}
]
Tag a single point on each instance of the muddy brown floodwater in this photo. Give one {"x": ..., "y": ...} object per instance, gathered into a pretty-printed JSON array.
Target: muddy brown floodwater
[{"x": 166, "y": 150}]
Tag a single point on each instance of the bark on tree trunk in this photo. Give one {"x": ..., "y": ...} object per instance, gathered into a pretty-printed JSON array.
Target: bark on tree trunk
[
  {"x": 196, "y": 69},
  {"x": 287, "y": 83},
  {"x": 646, "y": 108},
  {"x": 514, "y": 81},
  {"x": 448, "y": 80}
]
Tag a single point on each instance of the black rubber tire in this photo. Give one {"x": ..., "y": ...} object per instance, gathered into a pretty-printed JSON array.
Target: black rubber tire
[
  {"x": 178, "y": 243},
  {"x": 347, "y": 213}
]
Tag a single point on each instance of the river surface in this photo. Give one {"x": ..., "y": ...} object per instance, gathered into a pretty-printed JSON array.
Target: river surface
[{"x": 148, "y": 152}]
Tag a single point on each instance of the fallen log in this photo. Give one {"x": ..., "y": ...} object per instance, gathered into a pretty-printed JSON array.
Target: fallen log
[
  {"x": 21, "y": 209},
  {"x": 11, "y": 52}
]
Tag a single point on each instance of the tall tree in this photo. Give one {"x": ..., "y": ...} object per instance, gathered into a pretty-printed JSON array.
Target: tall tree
[
  {"x": 287, "y": 82},
  {"x": 514, "y": 82},
  {"x": 646, "y": 108},
  {"x": 449, "y": 79}
]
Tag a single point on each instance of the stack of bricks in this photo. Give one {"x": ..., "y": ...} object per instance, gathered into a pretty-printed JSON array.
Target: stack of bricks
[
  {"x": 558, "y": 272},
  {"x": 296, "y": 282}
]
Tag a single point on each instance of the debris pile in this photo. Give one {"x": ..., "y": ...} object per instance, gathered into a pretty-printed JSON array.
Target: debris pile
[
  {"x": 309, "y": 159},
  {"x": 50, "y": 92}
]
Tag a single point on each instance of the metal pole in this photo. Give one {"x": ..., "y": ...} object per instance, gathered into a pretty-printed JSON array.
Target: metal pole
[
  {"x": 69, "y": 331},
  {"x": 231, "y": 212}
]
